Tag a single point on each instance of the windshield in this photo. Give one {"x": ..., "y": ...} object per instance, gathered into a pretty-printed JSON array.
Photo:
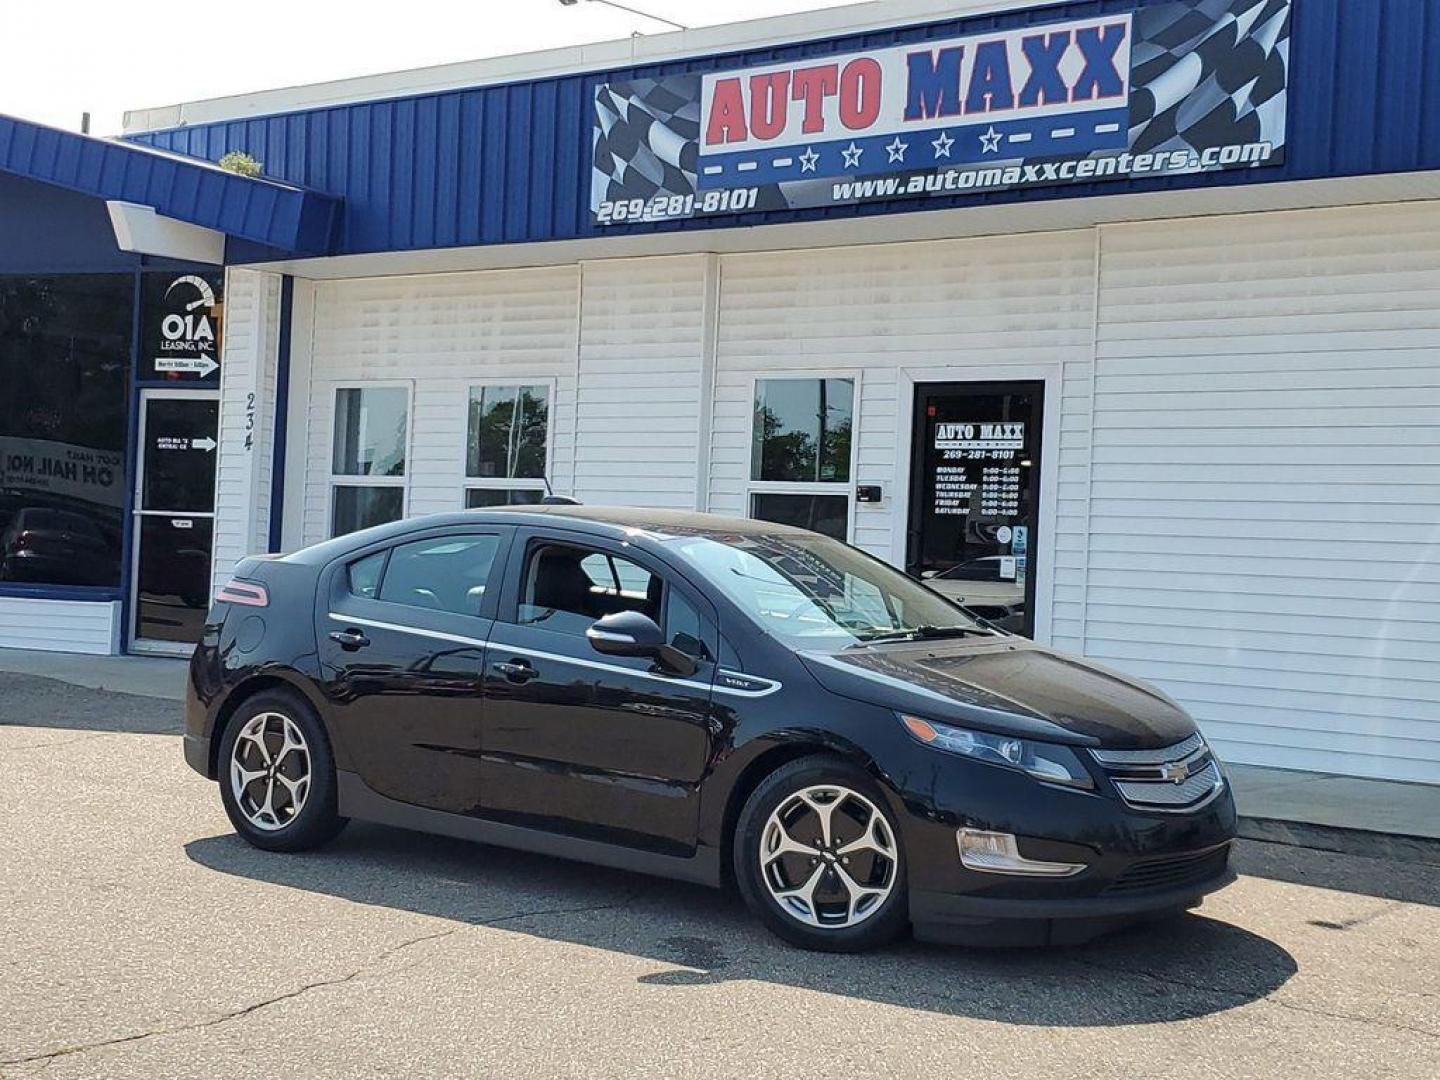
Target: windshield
[{"x": 815, "y": 592}]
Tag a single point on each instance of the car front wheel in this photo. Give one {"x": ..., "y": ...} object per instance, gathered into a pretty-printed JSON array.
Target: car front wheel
[
  {"x": 277, "y": 774},
  {"x": 818, "y": 858}
]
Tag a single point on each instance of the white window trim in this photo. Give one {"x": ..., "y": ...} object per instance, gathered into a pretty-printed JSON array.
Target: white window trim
[
  {"x": 339, "y": 480},
  {"x": 807, "y": 487},
  {"x": 481, "y": 483}
]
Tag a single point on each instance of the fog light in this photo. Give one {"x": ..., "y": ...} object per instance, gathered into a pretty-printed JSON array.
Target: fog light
[{"x": 997, "y": 853}]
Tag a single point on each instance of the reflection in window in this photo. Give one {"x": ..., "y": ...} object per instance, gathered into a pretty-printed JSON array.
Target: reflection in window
[
  {"x": 485, "y": 498},
  {"x": 507, "y": 445},
  {"x": 371, "y": 430},
  {"x": 826, "y": 514},
  {"x": 802, "y": 430},
  {"x": 448, "y": 573},
  {"x": 65, "y": 345},
  {"x": 357, "y": 508}
]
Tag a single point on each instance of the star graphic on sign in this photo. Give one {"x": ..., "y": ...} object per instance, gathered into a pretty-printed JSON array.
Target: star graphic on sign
[
  {"x": 809, "y": 159},
  {"x": 990, "y": 141},
  {"x": 896, "y": 150},
  {"x": 852, "y": 155},
  {"x": 943, "y": 144}
]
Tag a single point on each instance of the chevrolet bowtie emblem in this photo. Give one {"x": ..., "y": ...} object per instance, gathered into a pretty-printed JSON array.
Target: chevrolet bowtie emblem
[{"x": 1176, "y": 772}]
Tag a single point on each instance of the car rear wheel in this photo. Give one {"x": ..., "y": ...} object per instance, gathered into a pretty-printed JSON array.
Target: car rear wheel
[
  {"x": 277, "y": 774},
  {"x": 818, "y": 858}
]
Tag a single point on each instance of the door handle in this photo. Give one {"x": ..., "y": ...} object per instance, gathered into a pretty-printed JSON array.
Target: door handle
[
  {"x": 516, "y": 671},
  {"x": 349, "y": 640}
]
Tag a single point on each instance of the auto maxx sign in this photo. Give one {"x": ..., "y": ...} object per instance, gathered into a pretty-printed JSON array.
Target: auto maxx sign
[{"x": 1188, "y": 86}]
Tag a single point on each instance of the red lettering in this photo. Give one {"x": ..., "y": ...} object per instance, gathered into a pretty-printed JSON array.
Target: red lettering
[
  {"x": 813, "y": 86},
  {"x": 727, "y": 114},
  {"x": 769, "y": 104},
  {"x": 860, "y": 93}
]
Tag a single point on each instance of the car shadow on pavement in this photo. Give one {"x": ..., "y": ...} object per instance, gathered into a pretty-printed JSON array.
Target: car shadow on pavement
[{"x": 1185, "y": 967}]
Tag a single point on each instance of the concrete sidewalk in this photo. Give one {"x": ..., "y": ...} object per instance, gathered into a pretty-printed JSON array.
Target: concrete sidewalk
[{"x": 159, "y": 677}]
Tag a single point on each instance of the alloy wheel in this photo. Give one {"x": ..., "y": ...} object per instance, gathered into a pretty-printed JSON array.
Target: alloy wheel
[
  {"x": 270, "y": 769},
  {"x": 828, "y": 857}
]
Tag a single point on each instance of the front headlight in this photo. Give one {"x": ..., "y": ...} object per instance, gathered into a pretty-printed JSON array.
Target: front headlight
[{"x": 1044, "y": 761}]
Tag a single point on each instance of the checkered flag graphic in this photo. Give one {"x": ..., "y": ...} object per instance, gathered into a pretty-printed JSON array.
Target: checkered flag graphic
[
  {"x": 1209, "y": 73},
  {"x": 647, "y": 136}
]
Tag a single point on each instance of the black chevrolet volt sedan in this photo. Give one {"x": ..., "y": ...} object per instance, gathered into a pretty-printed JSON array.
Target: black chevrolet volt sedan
[{"x": 710, "y": 699}]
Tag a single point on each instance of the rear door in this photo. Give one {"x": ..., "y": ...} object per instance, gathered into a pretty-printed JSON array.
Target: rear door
[
  {"x": 402, "y": 630},
  {"x": 602, "y": 747}
]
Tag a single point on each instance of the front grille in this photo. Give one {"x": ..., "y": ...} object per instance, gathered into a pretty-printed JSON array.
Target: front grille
[
  {"x": 1164, "y": 754},
  {"x": 1170, "y": 796},
  {"x": 1171, "y": 872},
  {"x": 1171, "y": 779}
]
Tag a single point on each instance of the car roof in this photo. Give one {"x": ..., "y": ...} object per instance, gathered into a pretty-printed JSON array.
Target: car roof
[{"x": 609, "y": 521}]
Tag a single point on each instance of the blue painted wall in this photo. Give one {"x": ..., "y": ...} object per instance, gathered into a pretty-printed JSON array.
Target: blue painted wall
[{"x": 511, "y": 163}]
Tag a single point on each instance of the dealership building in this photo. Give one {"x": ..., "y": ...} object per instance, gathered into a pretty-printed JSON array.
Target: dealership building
[{"x": 1118, "y": 320}]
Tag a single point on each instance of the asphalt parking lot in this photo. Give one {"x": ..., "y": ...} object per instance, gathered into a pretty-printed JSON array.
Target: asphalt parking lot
[{"x": 139, "y": 938}]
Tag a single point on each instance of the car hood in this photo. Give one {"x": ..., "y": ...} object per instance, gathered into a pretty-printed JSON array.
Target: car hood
[{"x": 1008, "y": 686}]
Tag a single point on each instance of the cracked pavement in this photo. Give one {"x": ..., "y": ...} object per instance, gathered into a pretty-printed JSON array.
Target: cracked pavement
[{"x": 139, "y": 938}]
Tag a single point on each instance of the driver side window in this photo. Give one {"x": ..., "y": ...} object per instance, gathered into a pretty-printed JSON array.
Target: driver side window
[{"x": 567, "y": 588}]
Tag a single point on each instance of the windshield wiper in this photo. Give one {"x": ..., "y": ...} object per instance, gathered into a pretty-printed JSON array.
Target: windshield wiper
[{"x": 922, "y": 633}]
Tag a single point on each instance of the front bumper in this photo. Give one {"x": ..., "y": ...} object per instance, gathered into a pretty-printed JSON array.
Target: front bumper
[
  {"x": 953, "y": 918},
  {"x": 197, "y": 755}
]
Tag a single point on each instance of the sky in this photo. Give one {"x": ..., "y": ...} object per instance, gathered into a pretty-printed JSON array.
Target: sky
[{"x": 61, "y": 58}]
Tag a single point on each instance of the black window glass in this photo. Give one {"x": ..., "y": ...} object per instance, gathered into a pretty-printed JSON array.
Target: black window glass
[
  {"x": 484, "y": 498},
  {"x": 826, "y": 514},
  {"x": 364, "y": 575},
  {"x": 371, "y": 425},
  {"x": 180, "y": 454},
  {"x": 447, "y": 573},
  {"x": 357, "y": 508},
  {"x": 683, "y": 627},
  {"x": 65, "y": 345},
  {"x": 508, "y": 430},
  {"x": 802, "y": 430},
  {"x": 566, "y": 588}
]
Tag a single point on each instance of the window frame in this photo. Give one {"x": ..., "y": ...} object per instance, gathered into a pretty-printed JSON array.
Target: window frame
[
  {"x": 481, "y": 483},
  {"x": 847, "y": 487},
  {"x": 336, "y": 480}
]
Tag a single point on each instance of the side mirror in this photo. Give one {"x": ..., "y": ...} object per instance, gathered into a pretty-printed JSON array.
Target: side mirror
[{"x": 630, "y": 633}]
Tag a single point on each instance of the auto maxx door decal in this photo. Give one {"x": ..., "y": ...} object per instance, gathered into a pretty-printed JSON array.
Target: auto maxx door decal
[{"x": 1186, "y": 87}]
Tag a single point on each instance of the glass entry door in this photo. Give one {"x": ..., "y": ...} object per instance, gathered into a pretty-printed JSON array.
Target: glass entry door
[
  {"x": 975, "y": 496},
  {"x": 174, "y": 518}
]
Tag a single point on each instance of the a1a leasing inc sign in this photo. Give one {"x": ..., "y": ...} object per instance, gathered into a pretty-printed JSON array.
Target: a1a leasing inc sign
[{"x": 1188, "y": 86}]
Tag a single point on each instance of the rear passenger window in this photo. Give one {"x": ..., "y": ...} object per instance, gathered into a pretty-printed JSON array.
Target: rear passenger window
[
  {"x": 445, "y": 573},
  {"x": 364, "y": 575}
]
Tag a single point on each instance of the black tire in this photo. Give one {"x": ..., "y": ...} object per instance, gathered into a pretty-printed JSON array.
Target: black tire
[
  {"x": 318, "y": 820},
  {"x": 886, "y": 921}
]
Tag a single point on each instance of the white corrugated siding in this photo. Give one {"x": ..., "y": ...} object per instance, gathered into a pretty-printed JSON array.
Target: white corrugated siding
[
  {"x": 642, "y": 381},
  {"x": 442, "y": 334},
  {"x": 977, "y": 309},
  {"x": 1265, "y": 505},
  {"x": 73, "y": 626},
  {"x": 243, "y": 474}
]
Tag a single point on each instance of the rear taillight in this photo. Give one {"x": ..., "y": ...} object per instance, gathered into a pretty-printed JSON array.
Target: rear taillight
[
  {"x": 21, "y": 542},
  {"x": 246, "y": 593}
]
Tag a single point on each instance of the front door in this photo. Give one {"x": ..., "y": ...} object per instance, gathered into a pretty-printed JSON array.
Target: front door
[
  {"x": 174, "y": 519},
  {"x": 975, "y": 496},
  {"x": 600, "y": 747}
]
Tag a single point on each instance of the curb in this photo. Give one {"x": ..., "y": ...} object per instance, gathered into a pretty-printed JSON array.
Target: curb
[{"x": 1424, "y": 850}]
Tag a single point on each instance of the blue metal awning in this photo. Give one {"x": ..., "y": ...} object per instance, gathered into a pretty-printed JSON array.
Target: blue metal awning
[{"x": 280, "y": 216}]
